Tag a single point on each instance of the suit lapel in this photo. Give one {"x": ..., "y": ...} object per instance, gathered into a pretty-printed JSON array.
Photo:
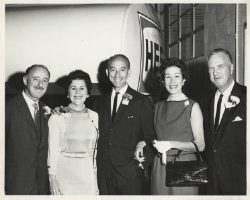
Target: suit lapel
[
  {"x": 211, "y": 120},
  {"x": 40, "y": 125},
  {"x": 23, "y": 108},
  {"x": 227, "y": 116},
  {"x": 122, "y": 107},
  {"x": 108, "y": 107},
  {"x": 43, "y": 128},
  {"x": 119, "y": 111}
]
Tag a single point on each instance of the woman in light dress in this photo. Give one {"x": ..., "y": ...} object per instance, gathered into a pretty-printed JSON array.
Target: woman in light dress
[
  {"x": 178, "y": 122},
  {"x": 72, "y": 142}
]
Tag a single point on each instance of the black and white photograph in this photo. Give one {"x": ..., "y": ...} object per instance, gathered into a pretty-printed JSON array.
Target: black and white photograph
[{"x": 141, "y": 98}]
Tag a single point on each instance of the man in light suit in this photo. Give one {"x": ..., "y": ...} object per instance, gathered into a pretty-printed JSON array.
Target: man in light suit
[
  {"x": 126, "y": 126},
  {"x": 225, "y": 125},
  {"x": 26, "y": 137}
]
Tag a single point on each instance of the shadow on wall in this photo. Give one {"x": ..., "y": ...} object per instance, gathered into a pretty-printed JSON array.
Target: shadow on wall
[
  {"x": 153, "y": 85},
  {"x": 198, "y": 85},
  {"x": 14, "y": 84},
  {"x": 56, "y": 94},
  {"x": 104, "y": 85}
]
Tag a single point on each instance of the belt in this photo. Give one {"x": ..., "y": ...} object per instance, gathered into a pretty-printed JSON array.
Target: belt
[{"x": 76, "y": 155}]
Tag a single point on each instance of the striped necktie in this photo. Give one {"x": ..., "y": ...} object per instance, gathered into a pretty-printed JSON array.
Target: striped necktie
[{"x": 35, "y": 105}]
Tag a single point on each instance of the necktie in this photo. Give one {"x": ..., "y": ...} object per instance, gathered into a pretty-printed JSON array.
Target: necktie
[
  {"x": 217, "y": 116},
  {"x": 114, "y": 106},
  {"x": 35, "y": 105}
]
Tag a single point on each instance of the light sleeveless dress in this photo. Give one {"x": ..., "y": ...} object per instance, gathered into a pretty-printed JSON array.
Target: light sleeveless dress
[
  {"x": 72, "y": 147},
  {"x": 172, "y": 122}
]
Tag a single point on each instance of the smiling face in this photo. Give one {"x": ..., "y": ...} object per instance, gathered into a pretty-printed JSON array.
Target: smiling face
[
  {"x": 36, "y": 83},
  {"x": 173, "y": 80},
  {"x": 220, "y": 71},
  {"x": 118, "y": 73},
  {"x": 77, "y": 92}
]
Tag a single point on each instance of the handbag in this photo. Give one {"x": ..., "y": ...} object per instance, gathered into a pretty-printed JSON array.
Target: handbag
[{"x": 187, "y": 173}]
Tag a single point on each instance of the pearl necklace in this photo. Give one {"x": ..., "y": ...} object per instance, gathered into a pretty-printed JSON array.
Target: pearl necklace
[{"x": 78, "y": 109}]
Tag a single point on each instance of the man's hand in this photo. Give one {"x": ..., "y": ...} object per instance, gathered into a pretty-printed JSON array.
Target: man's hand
[
  {"x": 59, "y": 110},
  {"x": 139, "y": 151}
]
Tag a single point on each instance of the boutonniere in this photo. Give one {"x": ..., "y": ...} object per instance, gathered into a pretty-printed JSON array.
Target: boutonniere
[
  {"x": 126, "y": 98},
  {"x": 65, "y": 112},
  {"x": 186, "y": 103},
  {"x": 232, "y": 102},
  {"x": 47, "y": 111}
]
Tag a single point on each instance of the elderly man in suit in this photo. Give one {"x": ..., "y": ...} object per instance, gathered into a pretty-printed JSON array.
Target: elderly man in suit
[
  {"x": 26, "y": 137},
  {"x": 225, "y": 122},
  {"x": 126, "y": 126}
]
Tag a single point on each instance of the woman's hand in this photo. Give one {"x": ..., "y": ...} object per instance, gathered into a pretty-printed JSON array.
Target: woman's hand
[
  {"x": 54, "y": 185},
  {"x": 59, "y": 110},
  {"x": 162, "y": 147}
]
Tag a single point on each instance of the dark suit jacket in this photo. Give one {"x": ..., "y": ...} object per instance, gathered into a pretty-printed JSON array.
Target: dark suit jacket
[
  {"x": 26, "y": 149},
  {"x": 226, "y": 146},
  {"x": 118, "y": 140}
]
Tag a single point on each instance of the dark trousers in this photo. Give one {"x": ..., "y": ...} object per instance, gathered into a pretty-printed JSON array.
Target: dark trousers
[
  {"x": 214, "y": 187},
  {"x": 113, "y": 183}
]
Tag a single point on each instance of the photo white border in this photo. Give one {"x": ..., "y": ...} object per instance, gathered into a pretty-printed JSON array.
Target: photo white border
[{"x": 144, "y": 197}]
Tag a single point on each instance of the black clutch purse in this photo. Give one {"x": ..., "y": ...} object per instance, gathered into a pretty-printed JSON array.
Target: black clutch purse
[{"x": 187, "y": 173}]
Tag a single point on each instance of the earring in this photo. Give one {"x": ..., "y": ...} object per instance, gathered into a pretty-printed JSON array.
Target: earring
[{"x": 183, "y": 83}]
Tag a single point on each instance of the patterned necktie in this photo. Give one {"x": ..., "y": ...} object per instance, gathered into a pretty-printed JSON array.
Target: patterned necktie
[
  {"x": 114, "y": 106},
  {"x": 35, "y": 105},
  {"x": 217, "y": 116}
]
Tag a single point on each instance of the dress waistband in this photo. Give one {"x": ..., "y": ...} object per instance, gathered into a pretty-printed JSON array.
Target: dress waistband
[
  {"x": 173, "y": 152},
  {"x": 76, "y": 155}
]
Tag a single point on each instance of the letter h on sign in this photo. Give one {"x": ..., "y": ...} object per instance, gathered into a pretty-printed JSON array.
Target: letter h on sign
[{"x": 153, "y": 55}]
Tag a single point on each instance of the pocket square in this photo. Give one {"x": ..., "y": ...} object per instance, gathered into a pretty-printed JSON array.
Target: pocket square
[
  {"x": 130, "y": 117},
  {"x": 236, "y": 119}
]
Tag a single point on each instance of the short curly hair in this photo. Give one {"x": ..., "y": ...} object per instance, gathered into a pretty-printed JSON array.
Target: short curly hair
[
  {"x": 79, "y": 75},
  {"x": 173, "y": 62}
]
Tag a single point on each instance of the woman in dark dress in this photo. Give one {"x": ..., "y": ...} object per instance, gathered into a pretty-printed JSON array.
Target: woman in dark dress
[{"x": 178, "y": 122}]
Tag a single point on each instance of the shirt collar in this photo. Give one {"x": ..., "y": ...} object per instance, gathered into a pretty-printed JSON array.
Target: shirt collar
[
  {"x": 121, "y": 91},
  {"x": 28, "y": 100},
  {"x": 228, "y": 91}
]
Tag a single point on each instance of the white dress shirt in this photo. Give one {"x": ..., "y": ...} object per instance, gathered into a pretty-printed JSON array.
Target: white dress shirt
[
  {"x": 225, "y": 97},
  {"x": 30, "y": 103},
  {"x": 119, "y": 97}
]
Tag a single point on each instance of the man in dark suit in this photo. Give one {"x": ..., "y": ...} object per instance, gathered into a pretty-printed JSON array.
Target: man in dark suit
[
  {"x": 26, "y": 137},
  {"x": 225, "y": 125},
  {"x": 126, "y": 126}
]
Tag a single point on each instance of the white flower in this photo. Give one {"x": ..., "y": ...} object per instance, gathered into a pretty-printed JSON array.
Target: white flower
[
  {"x": 47, "y": 110},
  {"x": 125, "y": 101},
  {"x": 126, "y": 98},
  {"x": 235, "y": 100},
  {"x": 186, "y": 103},
  {"x": 232, "y": 102}
]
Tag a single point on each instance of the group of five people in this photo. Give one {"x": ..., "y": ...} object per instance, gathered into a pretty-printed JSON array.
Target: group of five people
[{"x": 104, "y": 150}]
